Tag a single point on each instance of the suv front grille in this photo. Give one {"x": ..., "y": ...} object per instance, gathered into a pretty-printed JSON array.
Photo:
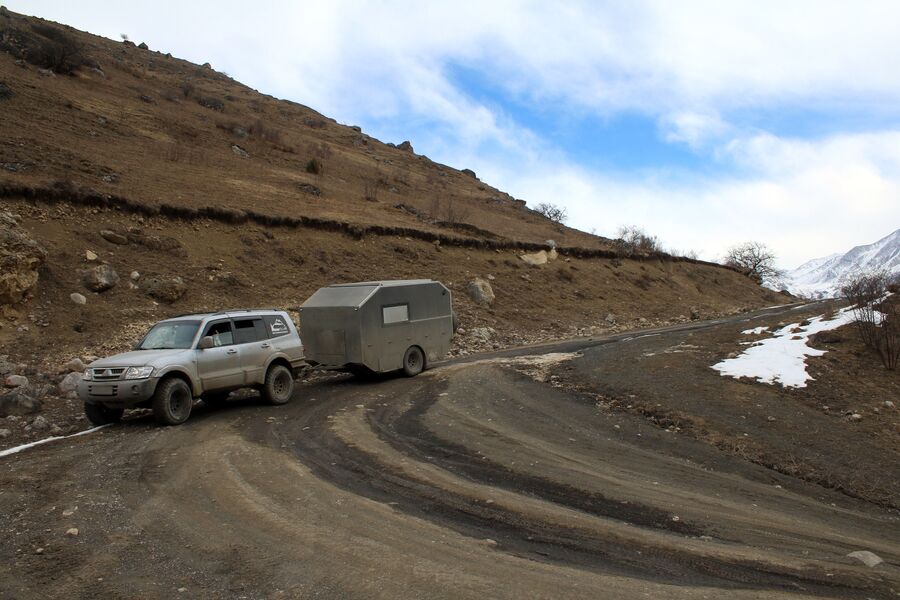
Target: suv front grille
[{"x": 110, "y": 374}]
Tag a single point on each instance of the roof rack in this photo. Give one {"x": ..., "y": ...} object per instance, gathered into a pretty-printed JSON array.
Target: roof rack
[{"x": 222, "y": 312}]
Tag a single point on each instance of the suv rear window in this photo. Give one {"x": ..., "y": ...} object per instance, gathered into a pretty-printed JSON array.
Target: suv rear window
[
  {"x": 276, "y": 325},
  {"x": 249, "y": 330}
]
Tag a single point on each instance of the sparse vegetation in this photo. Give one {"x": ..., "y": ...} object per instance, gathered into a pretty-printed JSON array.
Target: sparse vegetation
[
  {"x": 211, "y": 102},
  {"x": 876, "y": 315},
  {"x": 755, "y": 260},
  {"x": 57, "y": 51},
  {"x": 314, "y": 166},
  {"x": 370, "y": 191},
  {"x": 632, "y": 240},
  {"x": 555, "y": 213}
]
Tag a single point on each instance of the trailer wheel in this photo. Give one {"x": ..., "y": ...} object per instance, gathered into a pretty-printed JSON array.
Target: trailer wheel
[{"x": 413, "y": 361}]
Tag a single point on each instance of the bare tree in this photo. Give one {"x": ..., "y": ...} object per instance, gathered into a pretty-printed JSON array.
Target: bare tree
[
  {"x": 756, "y": 260},
  {"x": 877, "y": 316},
  {"x": 555, "y": 213},
  {"x": 631, "y": 239}
]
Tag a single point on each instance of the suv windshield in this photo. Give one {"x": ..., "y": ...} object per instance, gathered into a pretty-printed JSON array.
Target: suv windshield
[{"x": 170, "y": 335}]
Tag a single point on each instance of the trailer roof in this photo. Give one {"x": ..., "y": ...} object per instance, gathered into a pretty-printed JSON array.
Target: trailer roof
[{"x": 354, "y": 294}]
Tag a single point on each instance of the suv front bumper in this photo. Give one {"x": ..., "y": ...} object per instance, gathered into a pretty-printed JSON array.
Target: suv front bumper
[{"x": 123, "y": 393}]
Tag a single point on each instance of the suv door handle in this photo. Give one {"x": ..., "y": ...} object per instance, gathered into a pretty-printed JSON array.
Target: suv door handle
[
  {"x": 264, "y": 345},
  {"x": 231, "y": 351}
]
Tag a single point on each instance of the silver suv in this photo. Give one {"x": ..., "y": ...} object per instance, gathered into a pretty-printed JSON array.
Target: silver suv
[{"x": 200, "y": 355}]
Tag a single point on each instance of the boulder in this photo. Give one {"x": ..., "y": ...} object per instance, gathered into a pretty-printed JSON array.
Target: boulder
[
  {"x": 536, "y": 258},
  {"x": 695, "y": 313},
  {"x": 40, "y": 423},
  {"x": 17, "y": 402},
  {"x": 164, "y": 289},
  {"x": 470, "y": 173},
  {"x": 240, "y": 151},
  {"x": 69, "y": 383},
  {"x": 480, "y": 291},
  {"x": 14, "y": 381},
  {"x": 90, "y": 255},
  {"x": 114, "y": 238},
  {"x": 405, "y": 146},
  {"x": 20, "y": 259},
  {"x": 100, "y": 278},
  {"x": 77, "y": 298},
  {"x": 870, "y": 559},
  {"x": 76, "y": 365},
  {"x": 143, "y": 46}
]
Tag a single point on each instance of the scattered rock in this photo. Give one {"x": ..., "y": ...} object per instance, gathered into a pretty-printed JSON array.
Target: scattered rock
[
  {"x": 77, "y": 298},
  {"x": 90, "y": 255},
  {"x": 4, "y": 433},
  {"x": 870, "y": 559},
  {"x": 855, "y": 417},
  {"x": 20, "y": 258},
  {"x": 240, "y": 151},
  {"x": 17, "y": 402},
  {"x": 164, "y": 289},
  {"x": 100, "y": 278},
  {"x": 480, "y": 291},
  {"x": 695, "y": 313},
  {"x": 143, "y": 46},
  {"x": 308, "y": 188},
  {"x": 40, "y": 423},
  {"x": 69, "y": 383},
  {"x": 135, "y": 276},
  {"x": 888, "y": 404},
  {"x": 76, "y": 365},
  {"x": 114, "y": 238},
  {"x": 551, "y": 244},
  {"x": 535, "y": 259},
  {"x": 72, "y": 532},
  {"x": 15, "y": 381},
  {"x": 610, "y": 318}
]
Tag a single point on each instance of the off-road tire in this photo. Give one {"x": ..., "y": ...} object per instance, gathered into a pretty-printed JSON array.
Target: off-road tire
[
  {"x": 413, "y": 361},
  {"x": 279, "y": 385},
  {"x": 99, "y": 414},
  {"x": 215, "y": 399},
  {"x": 172, "y": 402}
]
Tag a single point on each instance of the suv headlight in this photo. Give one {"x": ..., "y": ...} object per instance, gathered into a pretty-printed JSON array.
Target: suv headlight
[
  {"x": 86, "y": 375},
  {"x": 138, "y": 372}
]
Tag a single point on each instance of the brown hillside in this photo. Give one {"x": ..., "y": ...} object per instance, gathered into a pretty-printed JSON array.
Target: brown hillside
[{"x": 132, "y": 131}]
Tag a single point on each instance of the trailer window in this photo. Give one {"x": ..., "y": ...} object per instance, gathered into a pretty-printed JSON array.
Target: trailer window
[{"x": 395, "y": 314}]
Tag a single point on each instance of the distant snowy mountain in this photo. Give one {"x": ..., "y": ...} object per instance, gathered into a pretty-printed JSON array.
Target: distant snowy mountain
[{"x": 822, "y": 277}]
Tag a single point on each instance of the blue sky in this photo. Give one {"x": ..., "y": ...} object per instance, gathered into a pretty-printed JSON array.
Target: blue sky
[{"x": 706, "y": 123}]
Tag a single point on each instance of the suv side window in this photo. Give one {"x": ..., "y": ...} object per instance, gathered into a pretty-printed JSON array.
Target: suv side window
[
  {"x": 276, "y": 325},
  {"x": 249, "y": 330},
  {"x": 221, "y": 333}
]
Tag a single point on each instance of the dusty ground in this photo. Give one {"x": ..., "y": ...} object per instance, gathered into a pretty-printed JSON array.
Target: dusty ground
[{"x": 477, "y": 479}]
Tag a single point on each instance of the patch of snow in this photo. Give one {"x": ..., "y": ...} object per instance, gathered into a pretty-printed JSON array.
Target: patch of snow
[
  {"x": 17, "y": 449},
  {"x": 782, "y": 358},
  {"x": 755, "y": 331}
]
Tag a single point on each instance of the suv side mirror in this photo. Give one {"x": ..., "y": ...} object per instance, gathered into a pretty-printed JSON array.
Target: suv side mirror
[{"x": 206, "y": 342}]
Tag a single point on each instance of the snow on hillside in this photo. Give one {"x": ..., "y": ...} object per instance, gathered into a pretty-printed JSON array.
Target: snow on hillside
[{"x": 821, "y": 277}]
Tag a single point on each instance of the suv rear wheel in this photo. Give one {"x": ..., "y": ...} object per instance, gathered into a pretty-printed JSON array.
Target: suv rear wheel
[
  {"x": 172, "y": 402},
  {"x": 102, "y": 415},
  {"x": 279, "y": 385}
]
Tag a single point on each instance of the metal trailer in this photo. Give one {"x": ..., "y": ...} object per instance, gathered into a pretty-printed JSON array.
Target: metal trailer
[{"x": 378, "y": 325}]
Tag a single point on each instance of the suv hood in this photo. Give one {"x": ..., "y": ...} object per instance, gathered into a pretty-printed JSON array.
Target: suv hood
[{"x": 141, "y": 358}]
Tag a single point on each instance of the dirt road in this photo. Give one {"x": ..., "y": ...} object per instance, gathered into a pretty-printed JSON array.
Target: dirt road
[{"x": 517, "y": 475}]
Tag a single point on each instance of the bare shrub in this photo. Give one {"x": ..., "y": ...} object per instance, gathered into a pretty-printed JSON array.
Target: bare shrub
[
  {"x": 314, "y": 166},
  {"x": 370, "y": 191},
  {"x": 58, "y": 51},
  {"x": 632, "y": 240},
  {"x": 555, "y": 213},
  {"x": 211, "y": 102},
  {"x": 755, "y": 260},
  {"x": 263, "y": 132},
  {"x": 876, "y": 315}
]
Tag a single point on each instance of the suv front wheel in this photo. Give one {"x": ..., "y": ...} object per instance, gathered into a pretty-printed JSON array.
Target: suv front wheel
[
  {"x": 279, "y": 385},
  {"x": 172, "y": 402}
]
